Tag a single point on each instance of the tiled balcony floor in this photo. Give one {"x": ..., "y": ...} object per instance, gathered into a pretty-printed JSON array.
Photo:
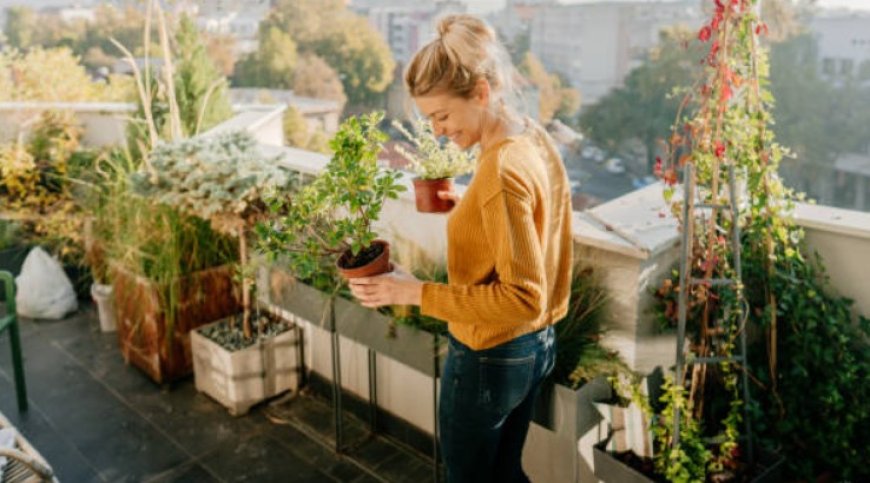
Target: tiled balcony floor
[{"x": 96, "y": 419}]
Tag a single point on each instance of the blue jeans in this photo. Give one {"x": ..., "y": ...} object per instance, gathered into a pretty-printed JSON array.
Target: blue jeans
[{"x": 486, "y": 406}]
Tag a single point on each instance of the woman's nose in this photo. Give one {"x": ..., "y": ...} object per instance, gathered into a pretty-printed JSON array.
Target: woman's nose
[{"x": 438, "y": 129}]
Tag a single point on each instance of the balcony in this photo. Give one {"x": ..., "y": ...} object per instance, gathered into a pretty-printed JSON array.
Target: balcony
[{"x": 96, "y": 419}]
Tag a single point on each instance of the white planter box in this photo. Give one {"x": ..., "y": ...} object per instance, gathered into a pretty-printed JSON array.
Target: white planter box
[{"x": 239, "y": 380}]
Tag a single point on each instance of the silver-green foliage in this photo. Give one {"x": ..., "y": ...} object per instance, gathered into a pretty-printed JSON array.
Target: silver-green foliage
[
  {"x": 211, "y": 177},
  {"x": 433, "y": 160}
]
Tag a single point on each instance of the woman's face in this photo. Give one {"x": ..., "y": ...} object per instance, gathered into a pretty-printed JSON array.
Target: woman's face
[{"x": 460, "y": 119}]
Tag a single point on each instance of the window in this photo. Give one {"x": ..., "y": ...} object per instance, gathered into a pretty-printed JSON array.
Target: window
[{"x": 828, "y": 66}]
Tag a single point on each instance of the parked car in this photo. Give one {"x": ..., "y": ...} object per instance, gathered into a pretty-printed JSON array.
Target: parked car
[{"x": 615, "y": 166}]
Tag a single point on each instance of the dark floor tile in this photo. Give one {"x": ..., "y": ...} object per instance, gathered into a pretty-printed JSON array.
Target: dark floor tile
[
  {"x": 260, "y": 459},
  {"x": 190, "y": 473},
  {"x": 377, "y": 452}
]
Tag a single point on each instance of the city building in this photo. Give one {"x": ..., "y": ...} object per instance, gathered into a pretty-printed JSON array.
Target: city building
[
  {"x": 596, "y": 44},
  {"x": 843, "y": 39},
  {"x": 406, "y": 25}
]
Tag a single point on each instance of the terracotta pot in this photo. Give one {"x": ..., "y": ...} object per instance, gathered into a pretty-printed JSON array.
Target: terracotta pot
[
  {"x": 379, "y": 265},
  {"x": 426, "y": 191}
]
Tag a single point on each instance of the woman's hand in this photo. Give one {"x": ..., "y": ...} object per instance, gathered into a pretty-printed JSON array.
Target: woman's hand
[
  {"x": 449, "y": 195},
  {"x": 394, "y": 288}
]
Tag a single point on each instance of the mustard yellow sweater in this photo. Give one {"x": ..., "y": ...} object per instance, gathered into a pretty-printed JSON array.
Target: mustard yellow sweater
[{"x": 509, "y": 245}]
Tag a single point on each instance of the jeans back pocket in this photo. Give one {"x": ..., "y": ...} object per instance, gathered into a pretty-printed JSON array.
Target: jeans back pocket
[{"x": 505, "y": 382}]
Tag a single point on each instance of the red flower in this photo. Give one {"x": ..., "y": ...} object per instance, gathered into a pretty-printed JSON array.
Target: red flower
[
  {"x": 761, "y": 29},
  {"x": 670, "y": 176},
  {"x": 720, "y": 149},
  {"x": 657, "y": 169},
  {"x": 716, "y": 19},
  {"x": 704, "y": 33},
  {"x": 726, "y": 93}
]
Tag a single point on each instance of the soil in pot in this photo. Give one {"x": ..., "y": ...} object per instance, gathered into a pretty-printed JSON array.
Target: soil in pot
[
  {"x": 370, "y": 261},
  {"x": 426, "y": 195},
  {"x": 230, "y": 336}
]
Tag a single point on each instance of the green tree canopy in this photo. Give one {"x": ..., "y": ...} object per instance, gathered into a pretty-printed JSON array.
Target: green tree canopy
[
  {"x": 346, "y": 41},
  {"x": 273, "y": 64},
  {"x": 200, "y": 89},
  {"x": 644, "y": 108}
]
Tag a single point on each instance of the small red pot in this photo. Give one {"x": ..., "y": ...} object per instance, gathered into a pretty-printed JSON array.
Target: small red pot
[
  {"x": 379, "y": 265},
  {"x": 426, "y": 192}
]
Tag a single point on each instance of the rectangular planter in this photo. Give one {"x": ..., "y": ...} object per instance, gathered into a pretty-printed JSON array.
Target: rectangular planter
[
  {"x": 239, "y": 380},
  {"x": 414, "y": 348},
  {"x": 609, "y": 469},
  {"x": 278, "y": 288},
  {"x": 563, "y": 417},
  {"x": 140, "y": 310}
]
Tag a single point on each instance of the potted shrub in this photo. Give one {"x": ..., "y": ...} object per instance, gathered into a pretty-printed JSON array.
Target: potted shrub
[
  {"x": 331, "y": 218},
  {"x": 435, "y": 164},
  {"x": 223, "y": 179}
]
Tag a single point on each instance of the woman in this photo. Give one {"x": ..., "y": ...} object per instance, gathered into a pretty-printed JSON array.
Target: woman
[{"x": 509, "y": 254}]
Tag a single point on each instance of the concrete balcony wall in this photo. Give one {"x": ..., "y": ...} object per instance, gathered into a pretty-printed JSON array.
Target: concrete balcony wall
[
  {"x": 842, "y": 238},
  {"x": 102, "y": 123}
]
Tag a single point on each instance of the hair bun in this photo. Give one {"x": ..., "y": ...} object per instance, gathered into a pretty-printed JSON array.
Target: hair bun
[{"x": 445, "y": 24}]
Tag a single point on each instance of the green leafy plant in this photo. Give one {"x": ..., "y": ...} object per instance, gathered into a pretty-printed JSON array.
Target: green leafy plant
[
  {"x": 433, "y": 159},
  {"x": 808, "y": 357},
  {"x": 223, "y": 179},
  {"x": 333, "y": 215},
  {"x": 580, "y": 357}
]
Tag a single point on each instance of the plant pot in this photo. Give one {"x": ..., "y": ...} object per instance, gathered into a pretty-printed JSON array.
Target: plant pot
[
  {"x": 240, "y": 379},
  {"x": 426, "y": 195},
  {"x": 146, "y": 340},
  {"x": 379, "y": 265},
  {"x": 104, "y": 298}
]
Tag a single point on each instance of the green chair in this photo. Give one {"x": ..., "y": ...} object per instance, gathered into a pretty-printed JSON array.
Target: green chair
[{"x": 9, "y": 322}]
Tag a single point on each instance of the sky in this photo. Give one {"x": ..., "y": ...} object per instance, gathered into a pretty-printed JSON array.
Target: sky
[{"x": 483, "y": 6}]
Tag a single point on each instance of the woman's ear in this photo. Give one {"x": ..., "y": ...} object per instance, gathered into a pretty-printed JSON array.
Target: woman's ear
[{"x": 482, "y": 92}]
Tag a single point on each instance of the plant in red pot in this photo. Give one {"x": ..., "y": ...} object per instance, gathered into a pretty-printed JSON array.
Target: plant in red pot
[
  {"x": 435, "y": 164},
  {"x": 329, "y": 222}
]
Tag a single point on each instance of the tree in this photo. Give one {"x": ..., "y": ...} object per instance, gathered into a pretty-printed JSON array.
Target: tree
[
  {"x": 346, "y": 41},
  {"x": 274, "y": 62},
  {"x": 315, "y": 78},
  {"x": 221, "y": 50},
  {"x": 554, "y": 99},
  {"x": 200, "y": 89},
  {"x": 644, "y": 108},
  {"x": 46, "y": 75},
  {"x": 295, "y": 128},
  {"x": 21, "y": 27}
]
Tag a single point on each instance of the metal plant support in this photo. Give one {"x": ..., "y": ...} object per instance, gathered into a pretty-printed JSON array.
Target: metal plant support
[{"x": 686, "y": 281}]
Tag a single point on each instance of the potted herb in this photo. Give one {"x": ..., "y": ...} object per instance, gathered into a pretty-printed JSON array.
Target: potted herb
[
  {"x": 435, "y": 164},
  {"x": 331, "y": 218}
]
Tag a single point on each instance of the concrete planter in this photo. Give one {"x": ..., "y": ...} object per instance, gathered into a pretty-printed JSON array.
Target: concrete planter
[
  {"x": 140, "y": 311},
  {"x": 562, "y": 418},
  {"x": 241, "y": 379}
]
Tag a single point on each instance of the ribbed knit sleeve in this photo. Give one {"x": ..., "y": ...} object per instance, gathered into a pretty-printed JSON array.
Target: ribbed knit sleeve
[{"x": 517, "y": 295}]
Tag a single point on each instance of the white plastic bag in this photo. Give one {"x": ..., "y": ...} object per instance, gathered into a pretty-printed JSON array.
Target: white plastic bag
[{"x": 44, "y": 291}]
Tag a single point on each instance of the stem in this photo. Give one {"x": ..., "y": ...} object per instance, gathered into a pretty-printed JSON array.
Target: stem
[{"x": 246, "y": 292}]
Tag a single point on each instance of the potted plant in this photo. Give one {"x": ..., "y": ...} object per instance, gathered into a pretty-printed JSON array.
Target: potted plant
[
  {"x": 223, "y": 179},
  {"x": 435, "y": 164},
  {"x": 331, "y": 218}
]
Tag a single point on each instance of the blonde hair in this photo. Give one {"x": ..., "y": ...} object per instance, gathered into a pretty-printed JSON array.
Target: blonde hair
[{"x": 465, "y": 51}]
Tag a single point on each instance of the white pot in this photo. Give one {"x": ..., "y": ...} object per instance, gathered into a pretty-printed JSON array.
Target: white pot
[{"x": 104, "y": 297}]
